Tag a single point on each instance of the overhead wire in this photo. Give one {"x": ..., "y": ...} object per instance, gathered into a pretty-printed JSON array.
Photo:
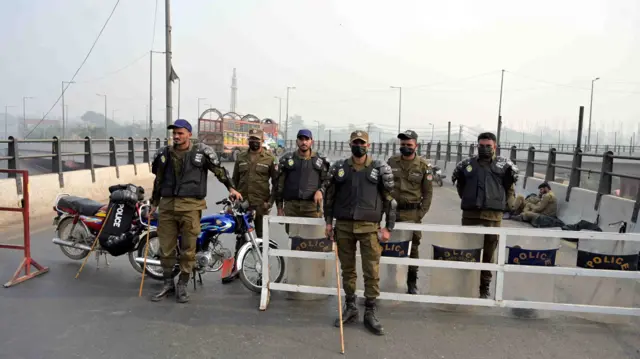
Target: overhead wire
[{"x": 79, "y": 68}]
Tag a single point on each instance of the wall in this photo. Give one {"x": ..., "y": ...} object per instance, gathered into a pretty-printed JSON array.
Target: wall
[{"x": 43, "y": 189}]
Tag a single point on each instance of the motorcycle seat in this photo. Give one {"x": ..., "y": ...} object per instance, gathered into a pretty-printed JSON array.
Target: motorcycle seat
[{"x": 83, "y": 206}]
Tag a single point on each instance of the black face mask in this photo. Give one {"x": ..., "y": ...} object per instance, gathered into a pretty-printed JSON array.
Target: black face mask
[
  {"x": 407, "y": 151},
  {"x": 254, "y": 146},
  {"x": 358, "y": 151},
  {"x": 485, "y": 152}
]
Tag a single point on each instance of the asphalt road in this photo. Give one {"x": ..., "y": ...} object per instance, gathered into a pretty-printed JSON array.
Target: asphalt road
[{"x": 100, "y": 315}]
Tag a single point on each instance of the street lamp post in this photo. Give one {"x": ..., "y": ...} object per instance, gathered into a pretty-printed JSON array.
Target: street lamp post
[
  {"x": 432, "y": 129},
  {"x": 590, "y": 111},
  {"x": 24, "y": 114},
  {"x": 106, "y": 133},
  {"x": 399, "y": 106},
  {"x": 63, "y": 114},
  {"x": 279, "y": 115},
  {"x": 286, "y": 127}
]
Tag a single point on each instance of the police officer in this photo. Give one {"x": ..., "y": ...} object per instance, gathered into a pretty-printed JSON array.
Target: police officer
[
  {"x": 413, "y": 191},
  {"x": 486, "y": 186},
  {"x": 301, "y": 175},
  {"x": 179, "y": 189},
  {"x": 358, "y": 192},
  {"x": 252, "y": 171}
]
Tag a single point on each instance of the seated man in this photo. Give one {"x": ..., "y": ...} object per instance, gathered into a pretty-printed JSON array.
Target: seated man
[
  {"x": 522, "y": 204},
  {"x": 547, "y": 206}
]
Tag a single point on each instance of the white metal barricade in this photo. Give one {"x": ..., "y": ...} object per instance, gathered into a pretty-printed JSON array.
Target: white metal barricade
[{"x": 500, "y": 268}]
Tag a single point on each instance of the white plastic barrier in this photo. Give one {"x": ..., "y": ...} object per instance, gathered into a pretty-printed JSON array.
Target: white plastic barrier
[
  {"x": 501, "y": 268},
  {"x": 300, "y": 270}
]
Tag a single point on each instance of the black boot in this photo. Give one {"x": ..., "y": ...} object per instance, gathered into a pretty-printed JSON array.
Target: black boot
[
  {"x": 370, "y": 320},
  {"x": 181, "y": 293},
  {"x": 350, "y": 312},
  {"x": 484, "y": 289},
  {"x": 412, "y": 277},
  {"x": 168, "y": 288}
]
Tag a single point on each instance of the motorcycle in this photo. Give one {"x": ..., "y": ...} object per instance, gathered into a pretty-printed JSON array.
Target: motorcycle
[
  {"x": 78, "y": 222},
  {"x": 210, "y": 254},
  {"x": 438, "y": 176}
]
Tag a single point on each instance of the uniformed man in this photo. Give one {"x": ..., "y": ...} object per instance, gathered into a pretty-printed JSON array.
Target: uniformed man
[
  {"x": 252, "y": 171},
  {"x": 358, "y": 192},
  {"x": 179, "y": 189},
  {"x": 301, "y": 175},
  {"x": 546, "y": 206},
  {"x": 413, "y": 191},
  {"x": 523, "y": 203},
  {"x": 486, "y": 186}
]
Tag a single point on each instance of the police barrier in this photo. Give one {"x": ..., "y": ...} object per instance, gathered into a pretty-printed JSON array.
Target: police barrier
[
  {"x": 306, "y": 271},
  {"x": 501, "y": 267}
]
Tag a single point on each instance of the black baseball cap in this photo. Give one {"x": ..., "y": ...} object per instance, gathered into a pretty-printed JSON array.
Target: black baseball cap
[
  {"x": 408, "y": 135},
  {"x": 180, "y": 124}
]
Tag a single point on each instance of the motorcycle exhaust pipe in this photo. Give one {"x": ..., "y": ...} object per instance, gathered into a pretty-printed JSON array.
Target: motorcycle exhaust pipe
[
  {"x": 153, "y": 262},
  {"x": 62, "y": 242}
]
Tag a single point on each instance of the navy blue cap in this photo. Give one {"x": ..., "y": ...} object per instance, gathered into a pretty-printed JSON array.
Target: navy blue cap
[
  {"x": 180, "y": 124},
  {"x": 306, "y": 133}
]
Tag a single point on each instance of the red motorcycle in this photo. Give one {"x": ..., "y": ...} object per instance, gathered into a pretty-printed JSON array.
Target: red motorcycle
[{"x": 79, "y": 220}]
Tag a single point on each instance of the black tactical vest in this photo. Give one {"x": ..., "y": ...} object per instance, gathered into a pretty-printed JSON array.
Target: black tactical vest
[
  {"x": 484, "y": 186},
  {"x": 302, "y": 178},
  {"x": 193, "y": 179},
  {"x": 357, "y": 194}
]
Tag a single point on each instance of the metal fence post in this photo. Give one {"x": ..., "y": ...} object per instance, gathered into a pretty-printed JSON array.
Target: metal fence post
[
  {"x": 88, "y": 158},
  {"x": 459, "y": 153},
  {"x": 395, "y": 149},
  {"x": 145, "y": 147},
  {"x": 604, "y": 187},
  {"x": 113, "y": 156},
  {"x": 14, "y": 162},
  {"x": 448, "y": 154},
  {"x": 132, "y": 155},
  {"x": 429, "y": 150},
  {"x": 386, "y": 149},
  {"x": 551, "y": 166},
  {"x": 438, "y": 150},
  {"x": 514, "y": 154},
  {"x": 158, "y": 144},
  {"x": 576, "y": 174},
  {"x": 531, "y": 156},
  {"x": 472, "y": 150},
  {"x": 56, "y": 160}
]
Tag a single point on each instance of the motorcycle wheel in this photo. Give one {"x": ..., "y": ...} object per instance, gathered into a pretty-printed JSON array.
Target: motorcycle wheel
[
  {"x": 153, "y": 271},
  {"x": 440, "y": 183},
  {"x": 63, "y": 231},
  {"x": 256, "y": 285},
  {"x": 132, "y": 260}
]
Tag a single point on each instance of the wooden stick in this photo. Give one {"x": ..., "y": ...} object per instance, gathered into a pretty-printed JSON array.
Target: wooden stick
[
  {"x": 146, "y": 252},
  {"x": 94, "y": 243},
  {"x": 335, "y": 251}
]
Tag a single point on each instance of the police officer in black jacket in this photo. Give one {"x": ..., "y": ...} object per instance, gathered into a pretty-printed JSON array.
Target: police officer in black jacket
[{"x": 486, "y": 186}]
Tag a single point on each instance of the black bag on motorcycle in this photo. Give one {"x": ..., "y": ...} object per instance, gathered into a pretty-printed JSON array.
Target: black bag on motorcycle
[{"x": 116, "y": 237}]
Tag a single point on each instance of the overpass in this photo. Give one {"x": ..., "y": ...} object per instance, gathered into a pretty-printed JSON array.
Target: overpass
[{"x": 222, "y": 320}]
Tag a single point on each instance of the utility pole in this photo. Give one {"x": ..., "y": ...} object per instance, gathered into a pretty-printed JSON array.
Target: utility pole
[
  {"x": 329, "y": 137},
  {"x": 399, "y": 106},
  {"x": 590, "y": 111},
  {"x": 286, "y": 126},
  {"x": 24, "y": 114},
  {"x": 500, "y": 109},
  {"x": 432, "y": 129},
  {"x": 460, "y": 135},
  {"x": 63, "y": 117},
  {"x": 279, "y": 115},
  {"x": 169, "y": 68}
]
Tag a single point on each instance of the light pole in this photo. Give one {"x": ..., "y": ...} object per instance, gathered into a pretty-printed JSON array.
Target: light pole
[
  {"x": 63, "y": 118},
  {"x": 105, "y": 115},
  {"x": 24, "y": 114},
  {"x": 6, "y": 120},
  {"x": 590, "y": 111},
  {"x": 399, "y": 106},
  {"x": 151, "y": 90},
  {"x": 432, "y": 128},
  {"x": 286, "y": 125},
  {"x": 279, "y": 115}
]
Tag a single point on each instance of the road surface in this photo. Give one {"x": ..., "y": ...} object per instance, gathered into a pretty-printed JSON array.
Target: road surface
[{"x": 100, "y": 315}]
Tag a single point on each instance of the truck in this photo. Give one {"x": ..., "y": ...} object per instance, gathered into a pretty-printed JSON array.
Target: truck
[{"x": 228, "y": 135}]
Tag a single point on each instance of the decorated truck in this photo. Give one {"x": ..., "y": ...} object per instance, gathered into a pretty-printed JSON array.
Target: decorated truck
[{"x": 228, "y": 134}]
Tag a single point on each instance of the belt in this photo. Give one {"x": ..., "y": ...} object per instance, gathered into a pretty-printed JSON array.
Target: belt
[{"x": 408, "y": 206}]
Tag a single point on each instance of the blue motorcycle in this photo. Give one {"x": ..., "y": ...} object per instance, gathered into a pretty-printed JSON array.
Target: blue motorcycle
[{"x": 236, "y": 219}]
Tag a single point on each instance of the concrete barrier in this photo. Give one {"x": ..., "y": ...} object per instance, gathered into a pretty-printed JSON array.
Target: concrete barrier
[{"x": 43, "y": 189}]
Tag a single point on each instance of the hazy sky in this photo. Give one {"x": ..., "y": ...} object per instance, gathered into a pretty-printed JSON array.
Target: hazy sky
[{"x": 342, "y": 56}]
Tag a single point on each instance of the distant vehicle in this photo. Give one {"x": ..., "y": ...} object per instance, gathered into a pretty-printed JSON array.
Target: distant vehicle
[{"x": 228, "y": 134}]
